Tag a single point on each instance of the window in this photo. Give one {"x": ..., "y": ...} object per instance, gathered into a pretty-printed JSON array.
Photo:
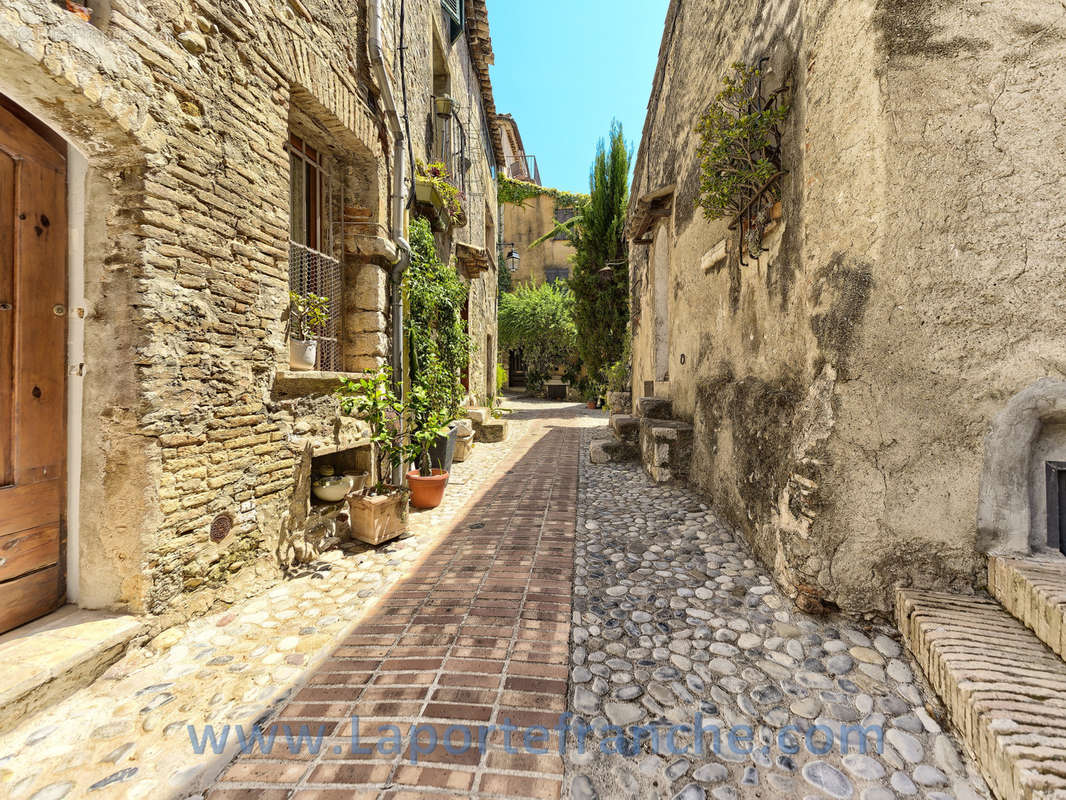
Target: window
[
  {"x": 313, "y": 267},
  {"x": 563, "y": 215},
  {"x": 456, "y": 15},
  {"x": 555, "y": 274}
]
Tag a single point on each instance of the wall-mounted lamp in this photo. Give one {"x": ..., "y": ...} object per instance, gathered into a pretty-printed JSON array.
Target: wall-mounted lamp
[{"x": 512, "y": 258}]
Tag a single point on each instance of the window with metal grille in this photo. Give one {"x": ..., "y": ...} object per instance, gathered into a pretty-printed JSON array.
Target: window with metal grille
[
  {"x": 554, "y": 274},
  {"x": 312, "y": 266},
  {"x": 563, "y": 215}
]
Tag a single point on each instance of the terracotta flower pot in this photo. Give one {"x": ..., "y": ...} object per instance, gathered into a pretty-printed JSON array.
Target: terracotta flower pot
[
  {"x": 590, "y": 404},
  {"x": 427, "y": 492}
]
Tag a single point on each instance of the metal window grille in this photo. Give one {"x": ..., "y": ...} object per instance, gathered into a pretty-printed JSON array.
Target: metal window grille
[{"x": 312, "y": 270}]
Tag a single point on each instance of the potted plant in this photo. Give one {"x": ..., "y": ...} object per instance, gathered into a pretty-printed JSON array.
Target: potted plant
[
  {"x": 380, "y": 513},
  {"x": 307, "y": 315},
  {"x": 426, "y": 482}
]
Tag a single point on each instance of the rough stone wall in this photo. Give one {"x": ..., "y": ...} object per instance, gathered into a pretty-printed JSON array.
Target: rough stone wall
[
  {"x": 182, "y": 110},
  {"x": 425, "y": 22},
  {"x": 841, "y": 385}
]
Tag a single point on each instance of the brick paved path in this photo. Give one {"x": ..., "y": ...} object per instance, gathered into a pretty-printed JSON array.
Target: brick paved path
[{"x": 475, "y": 637}]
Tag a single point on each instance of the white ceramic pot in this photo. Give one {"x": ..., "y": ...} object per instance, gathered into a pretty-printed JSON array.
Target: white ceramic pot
[
  {"x": 302, "y": 354},
  {"x": 333, "y": 489}
]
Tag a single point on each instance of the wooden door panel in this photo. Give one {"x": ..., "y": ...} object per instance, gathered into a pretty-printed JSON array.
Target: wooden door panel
[
  {"x": 40, "y": 335},
  {"x": 33, "y": 325},
  {"x": 25, "y": 507},
  {"x": 29, "y": 597},
  {"x": 28, "y": 551},
  {"x": 7, "y": 317}
]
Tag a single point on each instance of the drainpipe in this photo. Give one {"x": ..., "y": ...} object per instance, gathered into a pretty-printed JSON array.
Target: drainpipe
[{"x": 397, "y": 199}]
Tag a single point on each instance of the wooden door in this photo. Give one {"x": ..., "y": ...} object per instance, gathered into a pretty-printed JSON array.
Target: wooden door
[{"x": 33, "y": 288}]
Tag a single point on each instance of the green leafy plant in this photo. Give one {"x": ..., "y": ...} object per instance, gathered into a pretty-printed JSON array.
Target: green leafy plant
[
  {"x": 437, "y": 333},
  {"x": 427, "y": 420},
  {"x": 454, "y": 200},
  {"x": 517, "y": 193},
  {"x": 307, "y": 315},
  {"x": 539, "y": 319},
  {"x": 620, "y": 373},
  {"x": 740, "y": 147},
  {"x": 501, "y": 378},
  {"x": 373, "y": 399}
]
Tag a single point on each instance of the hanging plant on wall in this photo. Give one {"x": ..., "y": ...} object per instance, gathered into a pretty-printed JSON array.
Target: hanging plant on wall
[{"x": 740, "y": 154}]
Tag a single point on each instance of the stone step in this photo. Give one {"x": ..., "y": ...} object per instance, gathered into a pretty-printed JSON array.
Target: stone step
[
  {"x": 605, "y": 449},
  {"x": 655, "y": 407},
  {"x": 47, "y": 660},
  {"x": 490, "y": 430},
  {"x": 1004, "y": 690},
  {"x": 626, "y": 427},
  {"x": 665, "y": 448},
  {"x": 1034, "y": 591}
]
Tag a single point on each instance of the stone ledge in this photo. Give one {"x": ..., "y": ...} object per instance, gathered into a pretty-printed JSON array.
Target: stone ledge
[
  {"x": 1005, "y": 692},
  {"x": 299, "y": 383},
  {"x": 1034, "y": 591},
  {"x": 55, "y": 656}
]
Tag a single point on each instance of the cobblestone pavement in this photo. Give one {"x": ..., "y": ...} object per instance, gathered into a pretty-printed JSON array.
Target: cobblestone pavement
[
  {"x": 126, "y": 735},
  {"x": 673, "y": 618}
]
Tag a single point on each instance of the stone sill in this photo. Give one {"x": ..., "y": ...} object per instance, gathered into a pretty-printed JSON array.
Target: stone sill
[
  {"x": 330, "y": 449},
  {"x": 300, "y": 383}
]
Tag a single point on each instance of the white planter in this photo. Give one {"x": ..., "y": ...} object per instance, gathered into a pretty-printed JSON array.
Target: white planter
[{"x": 302, "y": 354}]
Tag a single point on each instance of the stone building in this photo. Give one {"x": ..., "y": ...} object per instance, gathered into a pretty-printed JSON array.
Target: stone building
[
  {"x": 876, "y": 398},
  {"x": 169, "y": 170}
]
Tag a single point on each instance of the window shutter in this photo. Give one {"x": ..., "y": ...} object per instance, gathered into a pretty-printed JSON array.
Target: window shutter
[{"x": 454, "y": 9}]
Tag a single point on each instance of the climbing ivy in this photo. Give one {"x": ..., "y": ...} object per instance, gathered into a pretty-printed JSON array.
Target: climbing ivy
[
  {"x": 439, "y": 342},
  {"x": 517, "y": 193}
]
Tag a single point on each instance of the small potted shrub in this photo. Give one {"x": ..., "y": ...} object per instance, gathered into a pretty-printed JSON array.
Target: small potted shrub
[
  {"x": 307, "y": 315},
  {"x": 426, "y": 482},
  {"x": 380, "y": 513}
]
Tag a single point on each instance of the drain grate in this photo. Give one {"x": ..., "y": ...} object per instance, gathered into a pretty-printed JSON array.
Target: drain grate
[{"x": 220, "y": 527}]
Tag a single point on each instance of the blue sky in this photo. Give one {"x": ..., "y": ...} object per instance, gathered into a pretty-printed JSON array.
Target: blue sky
[{"x": 566, "y": 68}]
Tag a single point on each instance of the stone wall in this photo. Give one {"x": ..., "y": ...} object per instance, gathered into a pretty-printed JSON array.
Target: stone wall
[
  {"x": 182, "y": 111},
  {"x": 840, "y": 385}
]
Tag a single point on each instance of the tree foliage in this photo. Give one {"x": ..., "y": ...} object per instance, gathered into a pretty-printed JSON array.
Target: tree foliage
[
  {"x": 440, "y": 344},
  {"x": 539, "y": 320},
  {"x": 600, "y": 278}
]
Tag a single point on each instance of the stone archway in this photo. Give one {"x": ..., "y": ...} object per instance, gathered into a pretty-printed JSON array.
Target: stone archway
[{"x": 1033, "y": 425}]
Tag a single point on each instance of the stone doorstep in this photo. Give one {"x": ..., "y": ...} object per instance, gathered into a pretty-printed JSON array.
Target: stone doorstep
[
  {"x": 1034, "y": 591},
  {"x": 491, "y": 430},
  {"x": 51, "y": 658},
  {"x": 1004, "y": 691}
]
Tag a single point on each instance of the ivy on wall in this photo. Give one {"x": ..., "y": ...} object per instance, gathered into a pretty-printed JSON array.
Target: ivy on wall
[
  {"x": 518, "y": 192},
  {"x": 439, "y": 341}
]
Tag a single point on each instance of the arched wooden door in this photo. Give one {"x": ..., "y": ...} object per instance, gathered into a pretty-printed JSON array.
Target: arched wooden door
[{"x": 33, "y": 288}]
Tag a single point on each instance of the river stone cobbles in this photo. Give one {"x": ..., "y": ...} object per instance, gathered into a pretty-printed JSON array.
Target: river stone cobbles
[{"x": 674, "y": 617}]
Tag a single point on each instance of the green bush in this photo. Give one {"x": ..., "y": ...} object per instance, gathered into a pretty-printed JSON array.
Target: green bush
[
  {"x": 501, "y": 378},
  {"x": 540, "y": 321}
]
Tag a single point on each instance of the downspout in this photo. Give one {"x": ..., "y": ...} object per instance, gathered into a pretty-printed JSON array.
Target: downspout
[{"x": 397, "y": 199}]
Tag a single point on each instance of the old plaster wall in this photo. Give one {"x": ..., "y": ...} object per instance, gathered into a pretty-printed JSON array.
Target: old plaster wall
[
  {"x": 523, "y": 225},
  {"x": 183, "y": 110},
  {"x": 841, "y": 385}
]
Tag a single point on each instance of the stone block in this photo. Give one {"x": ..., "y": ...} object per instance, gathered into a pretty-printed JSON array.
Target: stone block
[
  {"x": 365, "y": 322},
  {"x": 369, "y": 290},
  {"x": 620, "y": 402},
  {"x": 491, "y": 430},
  {"x": 370, "y": 344},
  {"x": 655, "y": 408},
  {"x": 611, "y": 448},
  {"x": 1034, "y": 591},
  {"x": 666, "y": 448},
  {"x": 478, "y": 415},
  {"x": 627, "y": 427}
]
